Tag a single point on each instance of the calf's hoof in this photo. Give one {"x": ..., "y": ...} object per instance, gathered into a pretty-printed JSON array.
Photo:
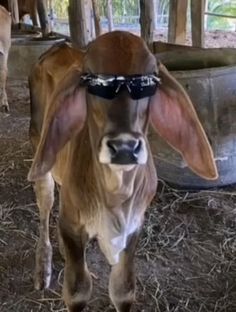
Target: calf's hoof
[
  {"x": 43, "y": 268},
  {"x": 77, "y": 292},
  {"x": 77, "y": 307},
  {"x": 124, "y": 307},
  {"x": 4, "y": 107}
]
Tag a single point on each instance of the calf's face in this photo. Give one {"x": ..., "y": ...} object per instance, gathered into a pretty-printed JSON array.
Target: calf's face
[
  {"x": 118, "y": 129},
  {"x": 118, "y": 111},
  {"x": 109, "y": 97}
]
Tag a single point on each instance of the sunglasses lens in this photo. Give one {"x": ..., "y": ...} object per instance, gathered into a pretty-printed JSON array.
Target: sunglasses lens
[
  {"x": 106, "y": 92},
  {"x": 110, "y": 92},
  {"x": 137, "y": 93}
]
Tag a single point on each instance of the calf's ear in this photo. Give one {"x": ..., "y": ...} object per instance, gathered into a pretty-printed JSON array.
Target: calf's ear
[
  {"x": 173, "y": 116},
  {"x": 65, "y": 117}
]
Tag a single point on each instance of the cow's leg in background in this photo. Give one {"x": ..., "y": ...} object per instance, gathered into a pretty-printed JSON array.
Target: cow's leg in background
[
  {"x": 3, "y": 78},
  {"x": 77, "y": 286},
  {"x": 122, "y": 278},
  {"x": 44, "y": 189}
]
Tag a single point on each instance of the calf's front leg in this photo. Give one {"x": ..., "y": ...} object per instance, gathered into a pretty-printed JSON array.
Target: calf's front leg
[
  {"x": 3, "y": 78},
  {"x": 122, "y": 278},
  {"x": 44, "y": 189},
  {"x": 77, "y": 286}
]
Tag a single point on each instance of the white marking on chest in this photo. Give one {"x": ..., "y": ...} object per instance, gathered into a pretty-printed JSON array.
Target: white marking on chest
[
  {"x": 113, "y": 241},
  {"x": 119, "y": 242}
]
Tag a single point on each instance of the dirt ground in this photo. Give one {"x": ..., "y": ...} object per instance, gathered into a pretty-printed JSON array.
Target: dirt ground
[
  {"x": 185, "y": 260},
  {"x": 213, "y": 39}
]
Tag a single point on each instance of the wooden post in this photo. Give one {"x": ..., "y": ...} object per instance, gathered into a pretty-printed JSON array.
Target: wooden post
[
  {"x": 155, "y": 13},
  {"x": 110, "y": 15},
  {"x": 97, "y": 23},
  {"x": 80, "y": 22},
  {"x": 43, "y": 16},
  {"x": 5, "y": 4},
  {"x": 13, "y": 8},
  {"x": 205, "y": 15},
  {"x": 177, "y": 21},
  {"x": 197, "y": 21},
  {"x": 51, "y": 15},
  {"x": 147, "y": 20}
]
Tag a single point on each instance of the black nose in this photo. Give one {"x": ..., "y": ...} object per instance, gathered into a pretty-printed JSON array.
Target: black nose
[{"x": 124, "y": 152}]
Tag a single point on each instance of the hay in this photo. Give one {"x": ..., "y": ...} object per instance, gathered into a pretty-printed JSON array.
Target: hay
[{"x": 190, "y": 236}]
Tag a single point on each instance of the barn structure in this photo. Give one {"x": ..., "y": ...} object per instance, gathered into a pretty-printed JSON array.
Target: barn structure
[{"x": 185, "y": 260}]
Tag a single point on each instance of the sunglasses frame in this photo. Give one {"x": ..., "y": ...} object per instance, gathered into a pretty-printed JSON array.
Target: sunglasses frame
[{"x": 141, "y": 82}]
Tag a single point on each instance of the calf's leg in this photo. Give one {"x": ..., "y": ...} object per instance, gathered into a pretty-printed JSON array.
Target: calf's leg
[
  {"x": 3, "y": 78},
  {"x": 44, "y": 189},
  {"x": 122, "y": 278},
  {"x": 77, "y": 286}
]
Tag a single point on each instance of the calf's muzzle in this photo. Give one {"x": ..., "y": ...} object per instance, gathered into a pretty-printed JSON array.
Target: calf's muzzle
[
  {"x": 124, "y": 152},
  {"x": 123, "y": 149}
]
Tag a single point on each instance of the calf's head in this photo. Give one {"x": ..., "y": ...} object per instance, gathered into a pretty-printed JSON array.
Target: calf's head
[{"x": 119, "y": 90}]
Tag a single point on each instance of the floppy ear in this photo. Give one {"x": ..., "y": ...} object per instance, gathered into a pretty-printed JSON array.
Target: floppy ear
[
  {"x": 65, "y": 116},
  {"x": 174, "y": 118}
]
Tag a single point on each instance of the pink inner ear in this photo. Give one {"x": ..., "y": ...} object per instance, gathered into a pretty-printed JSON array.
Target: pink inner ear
[
  {"x": 174, "y": 118},
  {"x": 69, "y": 119},
  {"x": 170, "y": 120},
  {"x": 60, "y": 126}
]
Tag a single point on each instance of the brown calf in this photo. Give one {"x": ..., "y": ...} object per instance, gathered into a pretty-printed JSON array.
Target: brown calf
[
  {"x": 5, "y": 43},
  {"x": 90, "y": 136}
]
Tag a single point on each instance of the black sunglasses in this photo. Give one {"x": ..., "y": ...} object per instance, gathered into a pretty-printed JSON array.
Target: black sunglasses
[{"x": 109, "y": 86}]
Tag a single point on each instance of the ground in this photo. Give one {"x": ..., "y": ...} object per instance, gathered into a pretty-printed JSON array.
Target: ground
[
  {"x": 214, "y": 39},
  {"x": 185, "y": 260}
]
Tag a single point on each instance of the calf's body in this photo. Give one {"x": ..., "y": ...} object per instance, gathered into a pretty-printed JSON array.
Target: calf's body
[
  {"x": 5, "y": 43},
  {"x": 97, "y": 150}
]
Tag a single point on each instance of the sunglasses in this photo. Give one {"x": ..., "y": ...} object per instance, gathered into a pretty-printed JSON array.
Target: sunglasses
[{"x": 110, "y": 86}]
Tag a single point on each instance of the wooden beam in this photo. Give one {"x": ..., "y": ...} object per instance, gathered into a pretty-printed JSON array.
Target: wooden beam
[
  {"x": 110, "y": 15},
  {"x": 97, "y": 20},
  {"x": 177, "y": 21},
  {"x": 147, "y": 24},
  {"x": 155, "y": 13},
  {"x": 197, "y": 21},
  {"x": 5, "y": 4},
  {"x": 13, "y": 8},
  {"x": 81, "y": 29},
  {"x": 50, "y": 15},
  {"x": 43, "y": 16}
]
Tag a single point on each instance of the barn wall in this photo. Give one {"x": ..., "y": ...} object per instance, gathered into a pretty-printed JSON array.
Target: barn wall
[{"x": 23, "y": 55}]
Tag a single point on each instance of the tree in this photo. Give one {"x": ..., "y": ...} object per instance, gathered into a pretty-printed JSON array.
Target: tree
[
  {"x": 60, "y": 7},
  {"x": 227, "y": 7}
]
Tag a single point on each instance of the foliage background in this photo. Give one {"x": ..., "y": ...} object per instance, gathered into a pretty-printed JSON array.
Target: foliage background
[{"x": 122, "y": 9}]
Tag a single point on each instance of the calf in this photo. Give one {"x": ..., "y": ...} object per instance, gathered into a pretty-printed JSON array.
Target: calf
[
  {"x": 89, "y": 128},
  {"x": 5, "y": 43}
]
